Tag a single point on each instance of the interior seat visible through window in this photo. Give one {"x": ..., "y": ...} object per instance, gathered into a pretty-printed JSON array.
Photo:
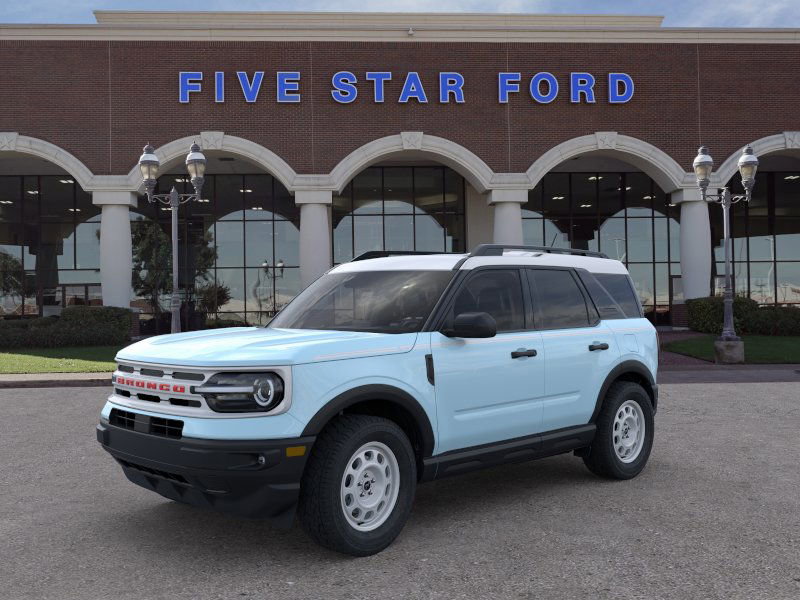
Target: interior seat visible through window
[{"x": 496, "y": 292}]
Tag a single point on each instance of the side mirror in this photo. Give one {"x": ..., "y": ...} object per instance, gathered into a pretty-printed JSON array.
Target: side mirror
[{"x": 473, "y": 325}]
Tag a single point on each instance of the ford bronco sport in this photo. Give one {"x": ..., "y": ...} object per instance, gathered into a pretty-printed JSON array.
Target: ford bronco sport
[{"x": 386, "y": 372}]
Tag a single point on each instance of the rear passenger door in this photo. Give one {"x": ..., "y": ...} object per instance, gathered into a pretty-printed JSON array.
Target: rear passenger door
[{"x": 579, "y": 349}]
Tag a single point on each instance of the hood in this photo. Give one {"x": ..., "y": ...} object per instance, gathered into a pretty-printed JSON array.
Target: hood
[{"x": 259, "y": 346}]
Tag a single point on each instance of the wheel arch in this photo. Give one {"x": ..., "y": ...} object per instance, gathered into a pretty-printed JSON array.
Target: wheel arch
[
  {"x": 629, "y": 370},
  {"x": 383, "y": 401}
]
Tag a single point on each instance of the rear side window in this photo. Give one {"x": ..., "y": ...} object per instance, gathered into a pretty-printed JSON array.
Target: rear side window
[
  {"x": 620, "y": 288},
  {"x": 559, "y": 300},
  {"x": 606, "y": 305}
]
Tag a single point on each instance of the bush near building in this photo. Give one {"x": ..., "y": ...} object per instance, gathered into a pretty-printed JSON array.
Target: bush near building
[
  {"x": 705, "y": 316},
  {"x": 77, "y": 326}
]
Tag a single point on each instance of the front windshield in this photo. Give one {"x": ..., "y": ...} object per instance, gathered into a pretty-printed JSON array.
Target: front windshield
[{"x": 374, "y": 301}]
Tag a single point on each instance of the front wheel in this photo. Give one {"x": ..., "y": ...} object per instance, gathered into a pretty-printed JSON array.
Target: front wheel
[
  {"x": 359, "y": 484},
  {"x": 624, "y": 433}
]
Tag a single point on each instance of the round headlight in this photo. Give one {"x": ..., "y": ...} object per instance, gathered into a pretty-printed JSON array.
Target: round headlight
[
  {"x": 264, "y": 392},
  {"x": 242, "y": 392}
]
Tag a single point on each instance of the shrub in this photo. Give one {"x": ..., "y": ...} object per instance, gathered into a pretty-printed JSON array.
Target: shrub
[
  {"x": 706, "y": 315},
  {"x": 783, "y": 320},
  {"x": 77, "y": 326},
  {"x": 219, "y": 323}
]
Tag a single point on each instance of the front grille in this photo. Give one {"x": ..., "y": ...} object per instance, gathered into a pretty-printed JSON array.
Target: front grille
[
  {"x": 148, "y": 397},
  {"x": 152, "y": 372},
  {"x": 187, "y": 376},
  {"x": 122, "y": 418},
  {"x": 169, "y": 428},
  {"x": 185, "y": 402},
  {"x": 156, "y": 472}
]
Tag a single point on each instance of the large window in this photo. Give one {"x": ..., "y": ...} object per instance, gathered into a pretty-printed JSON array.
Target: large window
[
  {"x": 373, "y": 301},
  {"x": 765, "y": 240},
  {"x": 559, "y": 300},
  {"x": 238, "y": 252},
  {"x": 497, "y": 292},
  {"x": 49, "y": 246},
  {"x": 399, "y": 208},
  {"x": 625, "y": 215}
]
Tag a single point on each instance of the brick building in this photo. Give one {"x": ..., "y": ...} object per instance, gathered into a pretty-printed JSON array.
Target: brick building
[{"x": 328, "y": 135}]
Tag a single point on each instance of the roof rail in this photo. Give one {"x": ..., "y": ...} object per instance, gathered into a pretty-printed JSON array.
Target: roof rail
[
  {"x": 497, "y": 250},
  {"x": 384, "y": 253}
]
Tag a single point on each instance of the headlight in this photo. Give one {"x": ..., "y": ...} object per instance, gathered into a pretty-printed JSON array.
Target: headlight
[{"x": 242, "y": 392}]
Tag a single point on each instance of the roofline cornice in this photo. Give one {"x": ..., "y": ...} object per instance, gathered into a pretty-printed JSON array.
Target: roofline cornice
[{"x": 389, "y": 33}]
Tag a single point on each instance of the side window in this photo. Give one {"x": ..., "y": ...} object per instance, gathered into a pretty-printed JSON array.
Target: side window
[
  {"x": 497, "y": 292},
  {"x": 605, "y": 304},
  {"x": 621, "y": 290},
  {"x": 560, "y": 301}
]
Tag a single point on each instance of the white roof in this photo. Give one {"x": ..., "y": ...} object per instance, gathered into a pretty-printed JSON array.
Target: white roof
[{"x": 446, "y": 262}]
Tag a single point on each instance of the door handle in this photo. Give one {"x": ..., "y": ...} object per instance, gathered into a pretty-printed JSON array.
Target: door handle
[
  {"x": 598, "y": 346},
  {"x": 521, "y": 353}
]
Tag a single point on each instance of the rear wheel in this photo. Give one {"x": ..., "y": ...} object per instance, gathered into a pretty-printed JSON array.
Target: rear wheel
[
  {"x": 624, "y": 433},
  {"x": 359, "y": 484}
]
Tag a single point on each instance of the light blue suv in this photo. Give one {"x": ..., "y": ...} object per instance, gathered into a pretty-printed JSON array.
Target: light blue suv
[{"x": 389, "y": 371}]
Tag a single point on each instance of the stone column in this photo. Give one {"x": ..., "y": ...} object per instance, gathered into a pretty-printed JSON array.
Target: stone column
[
  {"x": 116, "y": 256},
  {"x": 315, "y": 233},
  {"x": 695, "y": 243},
  {"x": 508, "y": 215}
]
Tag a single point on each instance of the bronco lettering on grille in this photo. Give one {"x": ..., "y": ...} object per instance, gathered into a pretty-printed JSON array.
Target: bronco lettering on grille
[{"x": 150, "y": 385}]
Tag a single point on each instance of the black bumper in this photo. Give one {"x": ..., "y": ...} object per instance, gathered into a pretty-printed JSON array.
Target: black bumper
[{"x": 249, "y": 478}]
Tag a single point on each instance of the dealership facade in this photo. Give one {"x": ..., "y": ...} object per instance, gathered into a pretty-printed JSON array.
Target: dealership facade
[{"x": 330, "y": 134}]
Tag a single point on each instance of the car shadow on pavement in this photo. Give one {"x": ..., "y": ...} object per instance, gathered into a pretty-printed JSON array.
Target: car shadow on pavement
[{"x": 165, "y": 525}]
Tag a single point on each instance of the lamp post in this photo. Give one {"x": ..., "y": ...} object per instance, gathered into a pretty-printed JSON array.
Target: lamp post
[
  {"x": 196, "y": 165},
  {"x": 703, "y": 165}
]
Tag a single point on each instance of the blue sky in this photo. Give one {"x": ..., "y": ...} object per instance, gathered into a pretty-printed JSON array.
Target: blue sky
[{"x": 678, "y": 13}]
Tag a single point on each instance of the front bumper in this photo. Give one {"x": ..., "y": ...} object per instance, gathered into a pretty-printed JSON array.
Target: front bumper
[{"x": 249, "y": 478}]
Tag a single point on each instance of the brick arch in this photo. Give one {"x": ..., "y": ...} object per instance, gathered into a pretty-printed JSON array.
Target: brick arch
[
  {"x": 11, "y": 141},
  {"x": 217, "y": 140},
  {"x": 786, "y": 142},
  {"x": 414, "y": 143},
  {"x": 656, "y": 163}
]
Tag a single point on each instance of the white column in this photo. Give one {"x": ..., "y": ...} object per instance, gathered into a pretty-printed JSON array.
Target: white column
[
  {"x": 695, "y": 243},
  {"x": 315, "y": 233},
  {"x": 508, "y": 215},
  {"x": 116, "y": 256}
]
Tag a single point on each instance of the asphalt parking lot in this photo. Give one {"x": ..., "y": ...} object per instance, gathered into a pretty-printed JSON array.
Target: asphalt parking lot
[{"x": 716, "y": 514}]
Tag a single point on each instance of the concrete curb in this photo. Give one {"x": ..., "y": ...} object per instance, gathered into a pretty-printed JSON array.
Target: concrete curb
[{"x": 38, "y": 381}]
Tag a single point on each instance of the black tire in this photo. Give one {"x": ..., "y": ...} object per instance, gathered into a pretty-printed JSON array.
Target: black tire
[
  {"x": 320, "y": 507},
  {"x": 601, "y": 459}
]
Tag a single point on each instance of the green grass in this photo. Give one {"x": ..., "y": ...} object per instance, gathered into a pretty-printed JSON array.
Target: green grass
[
  {"x": 758, "y": 349},
  {"x": 86, "y": 359}
]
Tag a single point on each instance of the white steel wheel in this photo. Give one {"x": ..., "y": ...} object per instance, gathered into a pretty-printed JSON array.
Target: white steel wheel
[
  {"x": 370, "y": 486},
  {"x": 629, "y": 431}
]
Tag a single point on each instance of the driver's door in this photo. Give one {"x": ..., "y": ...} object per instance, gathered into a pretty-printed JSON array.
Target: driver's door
[{"x": 483, "y": 394}]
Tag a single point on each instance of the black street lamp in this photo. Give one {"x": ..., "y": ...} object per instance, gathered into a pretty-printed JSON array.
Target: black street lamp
[
  {"x": 196, "y": 165},
  {"x": 703, "y": 165}
]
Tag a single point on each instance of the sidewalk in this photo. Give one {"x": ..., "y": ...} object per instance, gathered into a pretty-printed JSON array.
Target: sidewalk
[{"x": 52, "y": 380}]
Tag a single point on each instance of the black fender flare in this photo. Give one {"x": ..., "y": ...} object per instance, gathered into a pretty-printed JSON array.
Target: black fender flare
[
  {"x": 375, "y": 392},
  {"x": 627, "y": 366}
]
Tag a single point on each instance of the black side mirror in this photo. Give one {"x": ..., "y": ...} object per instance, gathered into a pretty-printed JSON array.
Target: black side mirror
[{"x": 473, "y": 325}]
